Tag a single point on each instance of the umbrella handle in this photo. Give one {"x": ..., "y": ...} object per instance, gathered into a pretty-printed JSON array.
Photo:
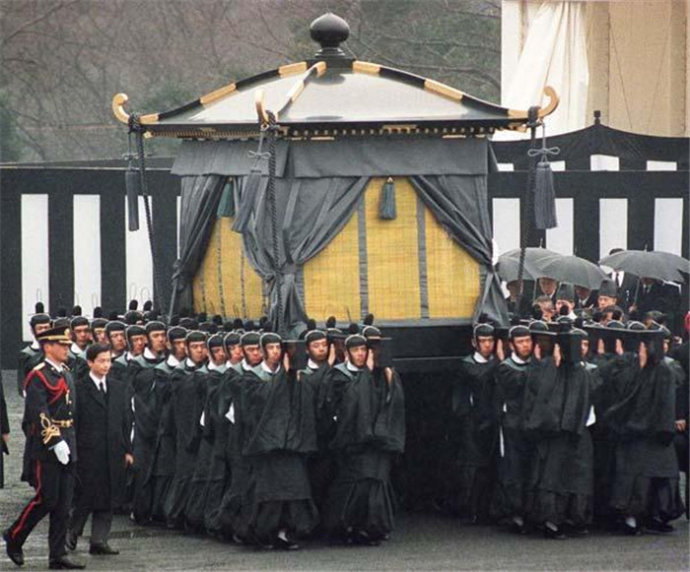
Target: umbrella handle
[{"x": 637, "y": 291}]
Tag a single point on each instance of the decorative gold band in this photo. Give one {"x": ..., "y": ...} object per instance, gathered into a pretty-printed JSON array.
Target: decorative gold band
[{"x": 49, "y": 430}]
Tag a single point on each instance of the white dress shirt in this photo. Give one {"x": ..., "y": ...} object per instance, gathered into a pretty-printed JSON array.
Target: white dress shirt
[{"x": 98, "y": 381}]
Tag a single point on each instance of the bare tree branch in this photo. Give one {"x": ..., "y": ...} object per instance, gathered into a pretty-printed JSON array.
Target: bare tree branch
[{"x": 35, "y": 21}]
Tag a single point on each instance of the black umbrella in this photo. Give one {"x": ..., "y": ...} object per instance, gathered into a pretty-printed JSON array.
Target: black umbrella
[
  {"x": 508, "y": 263},
  {"x": 573, "y": 270},
  {"x": 650, "y": 264}
]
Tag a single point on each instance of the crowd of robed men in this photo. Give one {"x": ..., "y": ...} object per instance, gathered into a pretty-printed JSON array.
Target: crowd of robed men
[
  {"x": 571, "y": 417},
  {"x": 210, "y": 427},
  {"x": 577, "y": 414}
]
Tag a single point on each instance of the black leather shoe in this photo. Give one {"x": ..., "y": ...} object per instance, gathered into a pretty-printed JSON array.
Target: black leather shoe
[
  {"x": 518, "y": 527},
  {"x": 65, "y": 563},
  {"x": 71, "y": 540},
  {"x": 554, "y": 534},
  {"x": 656, "y": 525},
  {"x": 103, "y": 549},
  {"x": 630, "y": 530},
  {"x": 14, "y": 551}
]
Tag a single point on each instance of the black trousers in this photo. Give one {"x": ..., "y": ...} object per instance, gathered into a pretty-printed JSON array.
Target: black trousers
[
  {"x": 101, "y": 521},
  {"x": 54, "y": 488}
]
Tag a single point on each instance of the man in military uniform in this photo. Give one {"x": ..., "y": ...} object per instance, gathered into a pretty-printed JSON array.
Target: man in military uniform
[
  {"x": 48, "y": 415},
  {"x": 31, "y": 354}
]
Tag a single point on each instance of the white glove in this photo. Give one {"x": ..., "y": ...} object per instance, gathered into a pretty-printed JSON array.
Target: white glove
[
  {"x": 202, "y": 421},
  {"x": 61, "y": 451},
  {"x": 230, "y": 415}
]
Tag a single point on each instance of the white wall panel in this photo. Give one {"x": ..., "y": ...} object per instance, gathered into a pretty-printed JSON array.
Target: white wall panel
[
  {"x": 613, "y": 221},
  {"x": 87, "y": 252},
  {"x": 560, "y": 239},
  {"x": 668, "y": 225},
  {"x": 506, "y": 223},
  {"x": 139, "y": 267},
  {"x": 35, "y": 257}
]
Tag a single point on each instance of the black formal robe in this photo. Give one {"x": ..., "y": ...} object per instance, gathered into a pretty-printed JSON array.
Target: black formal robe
[
  {"x": 187, "y": 407},
  {"x": 646, "y": 478},
  {"x": 218, "y": 428},
  {"x": 196, "y": 508},
  {"x": 556, "y": 409},
  {"x": 368, "y": 432},
  {"x": 4, "y": 429},
  {"x": 681, "y": 354},
  {"x": 118, "y": 369},
  {"x": 29, "y": 357},
  {"x": 320, "y": 463},
  {"x": 162, "y": 467},
  {"x": 515, "y": 450},
  {"x": 475, "y": 431},
  {"x": 278, "y": 432},
  {"x": 141, "y": 378},
  {"x": 76, "y": 361},
  {"x": 229, "y": 516}
]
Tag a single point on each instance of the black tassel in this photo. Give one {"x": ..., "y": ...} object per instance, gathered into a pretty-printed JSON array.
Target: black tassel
[
  {"x": 132, "y": 186},
  {"x": 226, "y": 206},
  {"x": 246, "y": 206},
  {"x": 387, "y": 203},
  {"x": 544, "y": 197}
]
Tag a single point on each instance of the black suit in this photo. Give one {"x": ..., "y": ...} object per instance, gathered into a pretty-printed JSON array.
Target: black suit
[
  {"x": 626, "y": 290},
  {"x": 520, "y": 307},
  {"x": 590, "y": 302},
  {"x": 103, "y": 442},
  {"x": 656, "y": 297},
  {"x": 48, "y": 420}
]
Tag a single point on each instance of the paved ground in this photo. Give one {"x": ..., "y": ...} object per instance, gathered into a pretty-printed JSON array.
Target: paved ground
[{"x": 421, "y": 542}]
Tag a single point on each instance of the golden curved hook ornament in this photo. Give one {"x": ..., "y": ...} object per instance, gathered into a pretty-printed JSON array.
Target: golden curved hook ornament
[
  {"x": 119, "y": 102},
  {"x": 260, "y": 105},
  {"x": 554, "y": 100}
]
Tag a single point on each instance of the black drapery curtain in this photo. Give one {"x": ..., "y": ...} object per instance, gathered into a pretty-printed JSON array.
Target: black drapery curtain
[
  {"x": 198, "y": 211},
  {"x": 311, "y": 212},
  {"x": 318, "y": 186},
  {"x": 459, "y": 204}
]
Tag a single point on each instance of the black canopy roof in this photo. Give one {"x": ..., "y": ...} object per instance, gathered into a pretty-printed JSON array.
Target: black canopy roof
[{"x": 333, "y": 95}]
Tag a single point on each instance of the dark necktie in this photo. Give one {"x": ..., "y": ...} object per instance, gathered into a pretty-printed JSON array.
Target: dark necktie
[{"x": 101, "y": 388}]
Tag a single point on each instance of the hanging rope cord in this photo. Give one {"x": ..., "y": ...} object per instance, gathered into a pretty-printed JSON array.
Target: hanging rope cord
[
  {"x": 533, "y": 123},
  {"x": 271, "y": 130},
  {"x": 136, "y": 128},
  {"x": 536, "y": 155}
]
